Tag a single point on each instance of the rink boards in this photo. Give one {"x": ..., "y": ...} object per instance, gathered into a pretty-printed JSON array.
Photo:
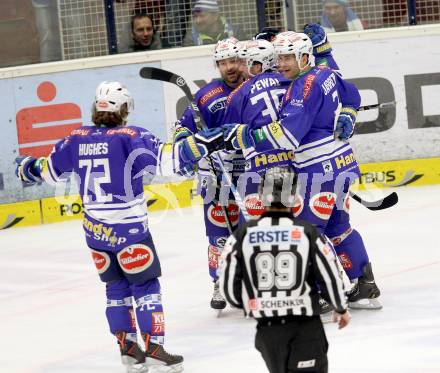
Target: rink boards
[{"x": 183, "y": 194}]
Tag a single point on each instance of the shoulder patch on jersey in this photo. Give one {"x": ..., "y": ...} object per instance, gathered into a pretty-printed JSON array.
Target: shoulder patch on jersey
[
  {"x": 308, "y": 85},
  {"x": 235, "y": 91},
  {"x": 211, "y": 93},
  {"x": 123, "y": 131}
]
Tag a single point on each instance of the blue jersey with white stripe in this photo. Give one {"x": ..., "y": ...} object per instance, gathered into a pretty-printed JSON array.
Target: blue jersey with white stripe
[
  {"x": 109, "y": 164},
  {"x": 308, "y": 116}
]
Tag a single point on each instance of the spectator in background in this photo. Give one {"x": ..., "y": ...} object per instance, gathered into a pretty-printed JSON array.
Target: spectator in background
[
  {"x": 338, "y": 16},
  {"x": 145, "y": 36},
  {"x": 208, "y": 26}
]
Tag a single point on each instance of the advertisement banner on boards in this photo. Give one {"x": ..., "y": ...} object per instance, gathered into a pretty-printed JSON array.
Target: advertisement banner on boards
[
  {"x": 39, "y": 110},
  {"x": 384, "y": 70}
]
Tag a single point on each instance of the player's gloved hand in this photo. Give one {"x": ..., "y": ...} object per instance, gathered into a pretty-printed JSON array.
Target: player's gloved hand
[
  {"x": 27, "y": 170},
  {"x": 180, "y": 133},
  {"x": 237, "y": 136},
  {"x": 318, "y": 36},
  {"x": 202, "y": 144},
  {"x": 345, "y": 123}
]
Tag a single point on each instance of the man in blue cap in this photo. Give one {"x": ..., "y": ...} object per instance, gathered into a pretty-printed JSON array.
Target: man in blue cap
[
  {"x": 208, "y": 26},
  {"x": 338, "y": 16}
]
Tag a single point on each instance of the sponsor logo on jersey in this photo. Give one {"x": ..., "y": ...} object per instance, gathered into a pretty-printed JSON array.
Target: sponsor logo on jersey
[
  {"x": 80, "y": 132},
  {"x": 308, "y": 85},
  {"x": 298, "y": 205},
  {"x": 216, "y": 216},
  {"x": 101, "y": 232},
  {"x": 278, "y": 304},
  {"x": 235, "y": 91},
  {"x": 344, "y": 160},
  {"x": 217, "y": 105},
  {"x": 135, "y": 258},
  {"x": 212, "y": 93},
  {"x": 322, "y": 204},
  {"x": 327, "y": 166},
  {"x": 254, "y": 205},
  {"x": 297, "y": 102},
  {"x": 122, "y": 131},
  {"x": 101, "y": 260},
  {"x": 274, "y": 235},
  {"x": 252, "y": 303},
  {"x": 270, "y": 159},
  {"x": 345, "y": 260},
  {"x": 213, "y": 255},
  {"x": 158, "y": 323}
]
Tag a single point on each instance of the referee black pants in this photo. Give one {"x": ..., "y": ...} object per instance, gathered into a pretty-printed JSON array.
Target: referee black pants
[{"x": 293, "y": 345}]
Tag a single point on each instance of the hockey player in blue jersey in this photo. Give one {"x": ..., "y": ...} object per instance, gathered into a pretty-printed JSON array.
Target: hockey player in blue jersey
[
  {"x": 256, "y": 103},
  {"x": 109, "y": 160},
  {"x": 315, "y": 125},
  {"x": 211, "y": 100}
]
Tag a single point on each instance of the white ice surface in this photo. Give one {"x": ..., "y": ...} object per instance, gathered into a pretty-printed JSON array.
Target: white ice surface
[{"x": 52, "y": 313}]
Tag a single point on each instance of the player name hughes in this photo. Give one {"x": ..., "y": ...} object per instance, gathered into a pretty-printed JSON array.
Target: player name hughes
[{"x": 100, "y": 148}]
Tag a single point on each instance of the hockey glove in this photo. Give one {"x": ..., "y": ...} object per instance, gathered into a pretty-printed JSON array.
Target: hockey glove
[
  {"x": 28, "y": 169},
  {"x": 180, "y": 133},
  {"x": 202, "y": 144},
  {"x": 316, "y": 33},
  {"x": 237, "y": 136},
  {"x": 345, "y": 123}
]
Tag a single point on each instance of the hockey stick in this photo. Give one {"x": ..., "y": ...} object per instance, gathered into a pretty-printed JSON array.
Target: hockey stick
[
  {"x": 169, "y": 77},
  {"x": 377, "y": 106},
  {"x": 385, "y": 203}
]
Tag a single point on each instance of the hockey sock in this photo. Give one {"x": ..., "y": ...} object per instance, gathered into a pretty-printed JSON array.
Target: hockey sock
[
  {"x": 149, "y": 310},
  {"x": 119, "y": 312},
  {"x": 351, "y": 252}
]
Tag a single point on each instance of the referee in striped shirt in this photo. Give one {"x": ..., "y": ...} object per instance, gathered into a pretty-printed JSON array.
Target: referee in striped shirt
[{"x": 275, "y": 269}]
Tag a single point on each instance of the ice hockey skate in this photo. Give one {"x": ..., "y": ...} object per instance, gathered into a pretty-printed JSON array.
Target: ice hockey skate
[
  {"x": 132, "y": 355},
  {"x": 325, "y": 311},
  {"x": 158, "y": 360},
  {"x": 218, "y": 303},
  {"x": 365, "y": 292}
]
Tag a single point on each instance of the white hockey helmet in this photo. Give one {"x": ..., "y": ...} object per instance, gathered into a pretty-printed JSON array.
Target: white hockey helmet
[
  {"x": 261, "y": 51},
  {"x": 226, "y": 48},
  {"x": 110, "y": 96},
  {"x": 296, "y": 43}
]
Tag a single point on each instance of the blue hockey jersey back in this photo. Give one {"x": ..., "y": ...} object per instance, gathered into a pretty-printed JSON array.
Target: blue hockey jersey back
[
  {"x": 256, "y": 102},
  {"x": 308, "y": 117},
  {"x": 109, "y": 164}
]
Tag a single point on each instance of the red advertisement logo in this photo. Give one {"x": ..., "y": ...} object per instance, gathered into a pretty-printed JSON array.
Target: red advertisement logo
[
  {"x": 217, "y": 217},
  {"x": 345, "y": 261},
  {"x": 158, "y": 323},
  {"x": 40, "y": 127},
  {"x": 254, "y": 205},
  {"x": 101, "y": 260},
  {"x": 135, "y": 258},
  {"x": 322, "y": 204}
]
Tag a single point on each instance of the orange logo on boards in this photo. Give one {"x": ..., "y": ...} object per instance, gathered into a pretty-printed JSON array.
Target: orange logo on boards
[{"x": 40, "y": 127}]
